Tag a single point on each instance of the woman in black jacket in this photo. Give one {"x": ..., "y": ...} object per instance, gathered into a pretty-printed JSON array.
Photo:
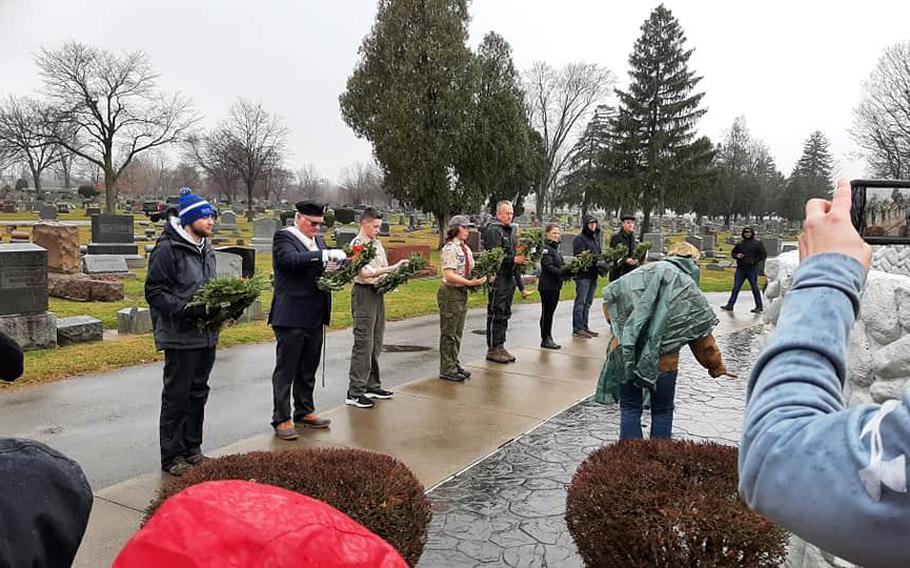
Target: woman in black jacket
[{"x": 552, "y": 274}]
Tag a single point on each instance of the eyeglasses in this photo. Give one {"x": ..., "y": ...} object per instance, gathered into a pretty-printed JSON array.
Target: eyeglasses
[{"x": 314, "y": 223}]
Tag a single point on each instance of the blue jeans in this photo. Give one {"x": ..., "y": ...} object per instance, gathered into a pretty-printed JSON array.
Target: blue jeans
[
  {"x": 584, "y": 297},
  {"x": 631, "y": 399},
  {"x": 743, "y": 275}
]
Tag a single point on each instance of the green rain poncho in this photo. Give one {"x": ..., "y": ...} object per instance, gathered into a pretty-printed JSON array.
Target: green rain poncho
[{"x": 654, "y": 310}]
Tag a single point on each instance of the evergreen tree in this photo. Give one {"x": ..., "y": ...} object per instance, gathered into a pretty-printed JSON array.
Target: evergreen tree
[
  {"x": 654, "y": 130},
  {"x": 587, "y": 184},
  {"x": 410, "y": 95},
  {"x": 811, "y": 177}
]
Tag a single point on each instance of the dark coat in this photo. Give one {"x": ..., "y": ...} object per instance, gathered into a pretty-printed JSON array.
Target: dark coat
[
  {"x": 298, "y": 302},
  {"x": 588, "y": 241},
  {"x": 176, "y": 270},
  {"x": 10, "y": 358},
  {"x": 552, "y": 268},
  {"x": 505, "y": 237},
  {"x": 627, "y": 239},
  {"x": 754, "y": 251}
]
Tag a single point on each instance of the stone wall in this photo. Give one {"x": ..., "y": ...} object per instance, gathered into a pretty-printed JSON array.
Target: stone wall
[{"x": 878, "y": 356}]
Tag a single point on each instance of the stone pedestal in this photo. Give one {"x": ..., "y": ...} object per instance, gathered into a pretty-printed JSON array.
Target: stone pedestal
[
  {"x": 134, "y": 321},
  {"x": 31, "y": 331},
  {"x": 23, "y": 279},
  {"x": 82, "y": 288},
  {"x": 62, "y": 245},
  {"x": 79, "y": 329}
]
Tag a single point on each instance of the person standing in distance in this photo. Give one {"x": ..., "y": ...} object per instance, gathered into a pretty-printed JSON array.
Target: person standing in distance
[
  {"x": 749, "y": 254},
  {"x": 181, "y": 263},
  {"x": 299, "y": 312},
  {"x": 500, "y": 233},
  {"x": 368, "y": 311},
  {"x": 625, "y": 236},
  {"x": 590, "y": 241},
  {"x": 552, "y": 275},
  {"x": 452, "y": 298}
]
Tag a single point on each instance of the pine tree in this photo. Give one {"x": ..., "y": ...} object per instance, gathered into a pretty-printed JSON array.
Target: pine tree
[
  {"x": 811, "y": 177},
  {"x": 655, "y": 129},
  {"x": 587, "y": 183}
]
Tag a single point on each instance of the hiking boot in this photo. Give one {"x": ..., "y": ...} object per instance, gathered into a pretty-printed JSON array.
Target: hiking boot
[
  {"x": 582, "y": 334},
  {"x": 178, "y": 468},
  {"x": 548, "y": 343},
  {"x": 463, "y": 371},
  {"x": 196, "y": 459},
  {"x": 507, "y": 354},
  {"x": 359, "y": 401},
  {"x": 379, "y": 393},
  {"x": 286, "y": 431},
  {"x": 591, "y": 333},
  {"x": 498, "y": 356},
  {"x": 312, "y": 420},
  {"x": 757, "y": 310},
  {"x": 453, "y": 376},
  {"x": 727, "y": 308}
]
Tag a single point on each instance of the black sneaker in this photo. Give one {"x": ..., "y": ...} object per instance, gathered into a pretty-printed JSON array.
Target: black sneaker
[
  {"x": 757, "y": 310},
  {"x": 456, "y": 377},
  {"x": 463, "y": 371},
  {"x": 196, "y": 459},
  {"x": 379, "y": 393},
  {"x": 359, "y": 402},
  {"x": 727, "y": 308},
  {"x": 178, "y": 467}
]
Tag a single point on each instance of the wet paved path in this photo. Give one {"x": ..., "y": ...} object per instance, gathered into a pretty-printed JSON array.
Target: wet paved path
[{"x": 508, "y": 510}]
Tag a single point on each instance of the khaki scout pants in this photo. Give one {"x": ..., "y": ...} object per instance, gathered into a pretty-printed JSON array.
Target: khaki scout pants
[
  {"x": 368, "y": 309},
  {"x": 453, "y": 307}
]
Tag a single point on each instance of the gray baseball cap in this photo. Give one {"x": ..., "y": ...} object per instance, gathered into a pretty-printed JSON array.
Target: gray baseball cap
[{"x": 459, "y": 221}]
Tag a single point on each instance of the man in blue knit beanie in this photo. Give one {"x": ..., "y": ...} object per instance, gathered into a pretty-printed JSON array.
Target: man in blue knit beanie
[{"x": 181, "y": 262}]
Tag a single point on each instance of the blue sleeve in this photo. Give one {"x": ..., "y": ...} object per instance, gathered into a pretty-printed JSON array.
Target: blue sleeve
[
  {"x": 287, "y": 257},
  {"x": 804, "y": 459}
]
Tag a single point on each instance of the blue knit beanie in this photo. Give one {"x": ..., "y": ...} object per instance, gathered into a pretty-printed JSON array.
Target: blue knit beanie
[{"x": 193, "y": 207}]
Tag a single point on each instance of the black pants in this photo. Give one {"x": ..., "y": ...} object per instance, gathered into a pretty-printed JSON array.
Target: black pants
[
  {"x": 186, "y": 389},
  {"x": 549, "y": 300},
  {"x": 296, "y": 361},
  {"x": 499, "y": 310}
]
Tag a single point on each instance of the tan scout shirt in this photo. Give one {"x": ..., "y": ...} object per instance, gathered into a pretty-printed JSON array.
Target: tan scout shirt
[
  {"x": 453, "y": 257},
  {"x": 379, "y": 261}
]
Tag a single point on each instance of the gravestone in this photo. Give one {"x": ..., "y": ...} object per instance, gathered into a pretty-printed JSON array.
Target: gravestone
[
  {"x": 104, "y": 264},
  {"x": 772, "y": 246},
  {"x": 709, "y": 241},
  {"x": 247, "y": 255},
  {"x": 385, "y": 230},
  {"x": 344, "y": 236},
  {"x": 522, "y": 220},
  {"x": 79, "y": 329},
  {"x": 566, "y": 242},
  {"x": 134, "y": 320},
  {"x": 113, "y": 234},
  {"x": 62, "y": 245},
  {"x": 47, "y": 213},
  {"x": 227, "y": 221},
  {"x": 23, "y": 296},
  {"x": 473, "y": 241},
  {"x": 695, "y": 241},
  {"x": 9, "y": 207},
  {"x": 228, "y": 265},
  {"x": 656, "y": 240},
  {"x": 89, "y": 211},
  {"x": 263, "y": 233},
  {"x": 19, "y": 236}
]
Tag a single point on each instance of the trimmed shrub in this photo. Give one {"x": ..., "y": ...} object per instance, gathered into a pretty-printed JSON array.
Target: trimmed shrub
[
  {"x": 329, "y": 218},
  {"x": 376, "y": 490},
  {"x": 667, "y": 503},
  {"x": 345, "y": 215}
]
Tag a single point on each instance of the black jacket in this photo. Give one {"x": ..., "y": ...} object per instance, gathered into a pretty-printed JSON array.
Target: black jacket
[
  {"x": 590, "y": 241},
  {"x": 298, "y": 302},
  {"x": 754, "y": 251},
  {"x": 505, "y": 237},
  {"x": 627, "y": 239},
  {"x": 44, "y": 505},
  {"x": 177, "y": 268},
  {"x": 552, "y": 268},
  {"x": 10, "y": 358}
]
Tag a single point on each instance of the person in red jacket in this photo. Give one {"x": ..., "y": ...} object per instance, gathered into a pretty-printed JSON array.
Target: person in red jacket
[{"x": 241, "y": 523}]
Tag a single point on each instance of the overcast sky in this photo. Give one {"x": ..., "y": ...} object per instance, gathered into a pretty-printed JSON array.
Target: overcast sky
[{"x": 790, "y": 67}]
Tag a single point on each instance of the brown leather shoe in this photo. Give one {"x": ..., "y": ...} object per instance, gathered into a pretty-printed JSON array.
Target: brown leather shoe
[
  {"x": 312, "y": 420},
  {"x": 286, "y": 431},
  {"x": 497, "y": 356},
  {"x": 508, "y": 355}
]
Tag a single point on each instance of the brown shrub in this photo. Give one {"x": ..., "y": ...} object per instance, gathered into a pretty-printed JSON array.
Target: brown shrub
[
  {"x": 667, "y": 503},
  {"x": 376, "y": 490}
]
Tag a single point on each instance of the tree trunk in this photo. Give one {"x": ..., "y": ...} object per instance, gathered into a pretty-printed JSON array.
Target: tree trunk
[
  {"x": 110, "y": 192},
  {"x": 249, "y": 199},
  {"x": 646, "y": 221},
  {"x": 36, "y": 178},
  {"x": 442, "y": 220}
]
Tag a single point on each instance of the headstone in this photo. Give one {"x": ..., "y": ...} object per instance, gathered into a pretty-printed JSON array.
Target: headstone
[
  {"x": 89, "y": 211},
  {"x": 84, "y": 288},
  {"x": 344, "y": 236},
  {"x": 263, "y": 233},
  {"x": 385, "y": 230},
  {"x": 9, "y": 207},
  {"x": 252, "y": 312},
  {"x": 709, "y": 242},
  {"x": 134, "y": 320},
  {"x": 248, "y": 257},
  {"x": 19, "y": 236},
  {"x": 62, "y": 245},
  {"x": 228, "y": 265},
  {"x": 112, "y": 234},
  {"x": 695, "y": 241},
  {"x": 473, "y": 241},
  {"x": 47, "y": 213},
  {"x": 23, "y": 279},
  {"x": 31, "y": 331},
  {"x": 79, "y": 329},
  {"x": 566, "y": 242},
  {"x": 104, "y": 264},
  {"x": 522, "y": 220},
  {"x": 656, "y": 240},
  {"x": 135, "y": 261},
  {"x": 227, "y": 221},
  {"x": 772, "y": 246},
  {"x": 63, "y": 208},
  {"x": 715, "y": 267}
]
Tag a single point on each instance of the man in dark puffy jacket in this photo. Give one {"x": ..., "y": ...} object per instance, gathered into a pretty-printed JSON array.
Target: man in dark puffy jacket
[
  {"x": 749, "y": 254},
  {"x": 589, "y": 240},
  {"x": 626, "y": 237},
  {"x": 10, "y": 358},
  {"x": 501, "y": 233},
  {"x": 181, "y": 262}
]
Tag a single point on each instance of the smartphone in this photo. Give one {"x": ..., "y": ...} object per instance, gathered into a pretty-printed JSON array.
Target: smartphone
[{"x": 881, "y": 211}]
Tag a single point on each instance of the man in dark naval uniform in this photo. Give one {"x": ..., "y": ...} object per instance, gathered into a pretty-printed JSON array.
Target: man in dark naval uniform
[{"x": 299, "y": 312}]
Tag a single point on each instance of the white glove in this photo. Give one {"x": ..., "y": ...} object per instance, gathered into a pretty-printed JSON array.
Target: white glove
[{"x": 333, "y": 254}]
